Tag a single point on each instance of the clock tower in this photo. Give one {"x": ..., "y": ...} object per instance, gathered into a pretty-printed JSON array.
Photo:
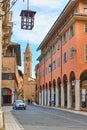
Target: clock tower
[
  {"x": 29, "y": 82},
  {"x": 27, "y": 62}
]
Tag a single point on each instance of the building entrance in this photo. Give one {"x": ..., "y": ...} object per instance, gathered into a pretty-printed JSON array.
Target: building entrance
[
  {"x": 83, "y": 89},
  {"x": 6, "y": 96}
]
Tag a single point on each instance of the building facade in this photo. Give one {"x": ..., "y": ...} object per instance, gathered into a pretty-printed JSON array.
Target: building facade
[
  {"x": 29, "y": 82},
  {"x": 11, "y": 78},
  {"x": 63, "y": 59}
]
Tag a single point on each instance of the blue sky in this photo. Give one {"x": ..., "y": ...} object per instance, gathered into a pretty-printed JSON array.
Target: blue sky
[{"x": 47, "y": 12}]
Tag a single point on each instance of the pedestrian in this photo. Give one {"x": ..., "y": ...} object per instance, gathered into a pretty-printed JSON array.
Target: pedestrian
[{"x": 28, "y": 101}]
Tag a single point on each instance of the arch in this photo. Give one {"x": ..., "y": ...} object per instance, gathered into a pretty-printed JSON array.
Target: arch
[
  {"x": 65, "y": 89},
  {"x": 59, "y": 88},
  {"x": 72, "y": 79},
  {"x": 83, "y": 88},
  {"x": 83, "y": 75},
  {"x": 6, "y": 96}
]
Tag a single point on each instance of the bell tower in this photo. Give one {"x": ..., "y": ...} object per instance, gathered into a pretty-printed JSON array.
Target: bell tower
[{"x": 27, "y": 62}]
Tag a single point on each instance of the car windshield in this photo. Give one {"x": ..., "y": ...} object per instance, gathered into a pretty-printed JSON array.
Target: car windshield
[{"x": 19, "y": 101}]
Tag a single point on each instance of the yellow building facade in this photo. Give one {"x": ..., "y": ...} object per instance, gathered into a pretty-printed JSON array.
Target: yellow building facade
[
  {"x": 9, "y": 57},
  {"x": 11, "y": 79}
]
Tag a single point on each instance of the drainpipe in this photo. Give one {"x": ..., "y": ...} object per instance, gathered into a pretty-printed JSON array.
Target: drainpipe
[{"x": 62, "y": 91}]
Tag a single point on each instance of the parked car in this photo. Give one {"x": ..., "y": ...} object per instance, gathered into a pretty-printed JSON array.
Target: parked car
[{"x": 19, "y": 104}]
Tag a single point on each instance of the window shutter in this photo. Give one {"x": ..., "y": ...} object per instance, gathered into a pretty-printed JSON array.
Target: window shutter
[
  {"x": 85, "y": 52},
  {"x": 85, "y": 27}
]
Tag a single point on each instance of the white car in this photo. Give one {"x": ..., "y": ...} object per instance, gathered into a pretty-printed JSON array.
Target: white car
[{"x": 19, "y": 104}]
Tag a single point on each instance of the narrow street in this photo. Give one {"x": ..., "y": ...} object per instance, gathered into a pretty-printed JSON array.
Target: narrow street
[{"x": 44, "y": 118}]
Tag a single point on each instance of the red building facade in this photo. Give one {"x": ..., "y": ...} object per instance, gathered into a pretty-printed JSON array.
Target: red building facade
[{"x": 63, "y": 60}]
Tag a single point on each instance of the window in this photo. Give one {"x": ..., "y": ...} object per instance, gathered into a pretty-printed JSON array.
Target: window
[
  {"x": 63, "y": 40},
  {"x": 85, "y": 27},
  {"x": 65, "y": 57},
  {"x": 42, "y": 73},
  {"x": 49, "y": 68},
  {"x": 71, "y": 52},
  {"x": 72, "y": 31},
  {"x": 53, "y": 49},
  {"x": 76, "y": 9},
  {"x": 85, "y": 55},
  {"x": 59, "y": 62},
  {"x": 27, "y": 58},
  {"x": 67, "y": 35},
  {"x": 59, "y": 44},
  {"x": 85, "y": 7},
  {"x": 7, "y": 76},
  {"x": 53, "y": 65}
]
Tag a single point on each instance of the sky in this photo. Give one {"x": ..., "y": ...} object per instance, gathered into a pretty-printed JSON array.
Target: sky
[{"x": 47, "y": 11}]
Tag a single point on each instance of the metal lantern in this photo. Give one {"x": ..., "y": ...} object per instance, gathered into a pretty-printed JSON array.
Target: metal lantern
[{"x": 27, "y": 19}]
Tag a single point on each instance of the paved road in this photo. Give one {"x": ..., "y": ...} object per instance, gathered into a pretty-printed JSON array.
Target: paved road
[{"x": 43, "y": 118}]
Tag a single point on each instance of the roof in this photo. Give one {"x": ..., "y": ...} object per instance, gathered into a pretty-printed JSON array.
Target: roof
[
  {"x": 67, "y": 8},
  {"x": 32, "y": 13},
  {"x": 27, "y": 48}
]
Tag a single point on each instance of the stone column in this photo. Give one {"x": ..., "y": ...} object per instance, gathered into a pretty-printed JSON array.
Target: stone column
[
  {"x": 48, "y": 97},
  {"x": 68, "y": 96},
  {"x": 39, "y": 98},
  {"x": 77, "y": 95},
  {"x": 62, "y": 96},
  {"x": 13, "y": 95},
  {"x": 42, "y": 97},
  {"x": 52, "y": 96},
  {"x": 45, "y": 96},
  {"x": 57, "y": 102}
]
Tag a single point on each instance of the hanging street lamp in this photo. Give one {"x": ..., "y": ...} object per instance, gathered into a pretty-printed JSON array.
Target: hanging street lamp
[{"x": 27, "y": 18}]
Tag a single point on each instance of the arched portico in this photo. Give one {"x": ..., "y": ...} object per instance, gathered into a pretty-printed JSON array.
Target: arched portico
[
  {"x": 72, "y": 88},
  {"x": 65, "y": 89},
  {"x": 83, "y": 88},
  {"x": 54, "y": 91},
  {"x": 59, "y": 92}
]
